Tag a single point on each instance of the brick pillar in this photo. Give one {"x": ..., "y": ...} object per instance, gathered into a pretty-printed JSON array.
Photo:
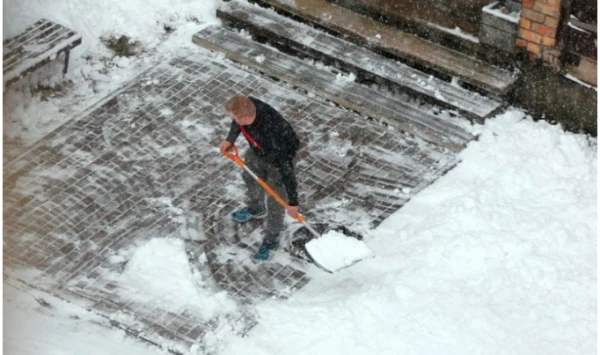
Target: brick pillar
[{"x": 538, "y": 27}]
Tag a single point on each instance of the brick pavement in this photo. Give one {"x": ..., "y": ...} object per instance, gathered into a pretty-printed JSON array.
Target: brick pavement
[{"x": 145, "y": 164}]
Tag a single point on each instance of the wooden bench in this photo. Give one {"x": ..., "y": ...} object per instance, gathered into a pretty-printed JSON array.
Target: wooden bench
[{"x": 41, "y": 43}]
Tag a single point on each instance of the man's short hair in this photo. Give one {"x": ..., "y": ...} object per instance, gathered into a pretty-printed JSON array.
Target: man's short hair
[{"x": 240, "y": 106}]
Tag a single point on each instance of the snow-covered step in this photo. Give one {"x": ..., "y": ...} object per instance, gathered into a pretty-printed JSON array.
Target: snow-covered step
[
  {"x": 370, "y": 102},
  {"x": 288, "y": 34},
  {"x": 385, "y": 38}
]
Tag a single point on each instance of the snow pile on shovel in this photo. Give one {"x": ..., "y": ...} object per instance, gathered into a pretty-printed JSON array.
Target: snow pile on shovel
[{"x": 334, "y": 250}]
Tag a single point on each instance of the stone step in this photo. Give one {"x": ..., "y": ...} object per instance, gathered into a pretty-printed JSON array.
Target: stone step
[
  {"x": 388, "y": 39},
  {"x": 349, "y": 94},
  {"x": 288, "y": 34}
]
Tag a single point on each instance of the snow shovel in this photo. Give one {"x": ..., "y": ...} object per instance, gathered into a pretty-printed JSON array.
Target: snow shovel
[{"x": 362, "y": 251}]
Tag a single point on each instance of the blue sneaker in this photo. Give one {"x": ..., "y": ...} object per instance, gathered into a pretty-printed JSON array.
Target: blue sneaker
[
  {"x": 265, "y": 252},
  {"x": 243, "y": 215}
]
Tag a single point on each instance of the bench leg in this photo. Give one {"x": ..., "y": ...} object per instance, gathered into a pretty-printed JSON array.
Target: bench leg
[{"x": 66, "y": 62}]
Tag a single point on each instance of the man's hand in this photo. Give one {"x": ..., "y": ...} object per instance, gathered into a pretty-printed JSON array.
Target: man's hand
[
  {"x": 225, "y": 146},
  {"x": 292, "y": 211}
]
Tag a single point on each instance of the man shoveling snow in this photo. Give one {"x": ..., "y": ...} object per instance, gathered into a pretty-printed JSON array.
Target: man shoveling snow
[
  {"x": 273, "y": 146},
  {"x": 270, "y": 162}
]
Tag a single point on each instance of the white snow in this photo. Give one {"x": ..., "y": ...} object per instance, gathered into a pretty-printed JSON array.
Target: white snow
[
  {"x": 577, "y": 28},
  {"x": 498, "y": 256},
  {"x": 511, "y": 16},
  {"x": 572, "y": 78},
  {"x": 457, "y": 31},
  {"x": 350, "y": 77},
  {"x": 60, "y": 328},
  {"x": 334, "y": 250},
  {"x": 94, "y": 71},
  {"x": 572, "y": 25},
  {"x": 260, "y": 58},
  {"x": 159, "y": 274}
]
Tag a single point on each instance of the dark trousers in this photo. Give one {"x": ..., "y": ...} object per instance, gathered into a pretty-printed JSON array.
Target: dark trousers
[{"x": 255, "y": 194}]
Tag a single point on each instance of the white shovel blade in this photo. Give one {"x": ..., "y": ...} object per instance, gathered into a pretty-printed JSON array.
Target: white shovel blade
[{"x": 335, "y": 251}]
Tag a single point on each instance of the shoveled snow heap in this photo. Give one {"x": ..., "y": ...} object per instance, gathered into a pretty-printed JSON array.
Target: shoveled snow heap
[
  {"x": 159, "y": 273},
  {"x": 334, "y": 250}
]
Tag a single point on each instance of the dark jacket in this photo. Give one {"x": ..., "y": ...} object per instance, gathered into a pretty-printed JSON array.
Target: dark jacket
[{"x": 273, "y": 139}]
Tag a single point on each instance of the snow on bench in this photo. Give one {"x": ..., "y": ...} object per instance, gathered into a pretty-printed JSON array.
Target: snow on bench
[
  {"x": 41, "y": 43},
  {"x": 351, "y": 57}
]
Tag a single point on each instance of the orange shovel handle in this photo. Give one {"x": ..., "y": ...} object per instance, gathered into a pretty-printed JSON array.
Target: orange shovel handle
[
  {"x": 236, "y": 159},
  {"x": 234, "y": 156}
]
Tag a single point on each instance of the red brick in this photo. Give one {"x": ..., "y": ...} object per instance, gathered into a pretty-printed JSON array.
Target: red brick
[
  {"x": 531, "y": 36},
  {"x": 551, "y": 22},
  {"x": 553, "y": 3},
  {"x": 544, "y": 30},
  {"x": 521, "y": 43},
  {"x": 548, "y": 41},
  {"x": 527, "y": 4},
  {"x": 525, "y": 23},
  {"x": 532, "y": 15},
  {"x": 534, "y": 48},
  {"x": 547, "y": 10}
]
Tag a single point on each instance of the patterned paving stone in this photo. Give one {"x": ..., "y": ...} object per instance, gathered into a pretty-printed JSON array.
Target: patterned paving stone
[{"x": 145, "y": 165}]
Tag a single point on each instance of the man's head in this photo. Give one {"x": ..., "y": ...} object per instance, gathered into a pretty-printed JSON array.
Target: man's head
[{"x": 241, "y": 109}]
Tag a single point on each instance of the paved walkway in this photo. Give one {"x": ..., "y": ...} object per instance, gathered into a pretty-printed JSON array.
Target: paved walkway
[{"x": 145, "y": 165}]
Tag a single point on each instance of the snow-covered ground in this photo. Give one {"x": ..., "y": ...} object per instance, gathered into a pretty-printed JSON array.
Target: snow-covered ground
[
  {"x": 52, "y": 326},
  {"x": 94, "y": 70},
  {"x": 138, "y": 281},
  {"x": 498, "y": 256}
]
